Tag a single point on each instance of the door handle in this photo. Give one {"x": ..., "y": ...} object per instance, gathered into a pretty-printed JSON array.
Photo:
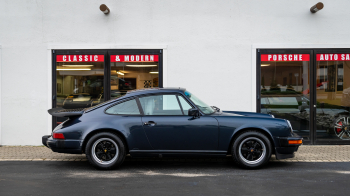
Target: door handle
[{"x": 149, "y": 123}]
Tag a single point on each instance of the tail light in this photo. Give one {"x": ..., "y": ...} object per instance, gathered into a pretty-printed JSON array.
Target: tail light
[{"x": 58, "y": 136}]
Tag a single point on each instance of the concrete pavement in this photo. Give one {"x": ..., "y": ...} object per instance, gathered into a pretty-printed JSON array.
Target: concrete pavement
[{"x": 306, "y": 153}]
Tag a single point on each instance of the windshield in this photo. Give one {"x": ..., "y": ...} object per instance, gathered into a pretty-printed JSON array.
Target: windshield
[{"x": 206, "y": 109}]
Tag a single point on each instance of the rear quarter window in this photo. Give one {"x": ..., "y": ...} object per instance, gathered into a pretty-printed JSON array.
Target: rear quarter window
[{"x": 125, "y": 108}]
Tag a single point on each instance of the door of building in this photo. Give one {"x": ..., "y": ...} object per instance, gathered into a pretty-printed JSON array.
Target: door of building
[{"x": 308, "y": 88}]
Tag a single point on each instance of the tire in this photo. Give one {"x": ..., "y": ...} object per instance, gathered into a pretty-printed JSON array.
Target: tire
[
  {"x": 251, "y": 150},
  {"x": 105, "y": 151}
]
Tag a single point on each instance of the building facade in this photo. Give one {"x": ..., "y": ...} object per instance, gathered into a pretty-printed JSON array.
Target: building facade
[{"x": 272, "y": 57}]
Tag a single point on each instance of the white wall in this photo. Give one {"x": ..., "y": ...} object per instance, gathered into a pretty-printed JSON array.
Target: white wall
[{"x": 209, "y": 46}]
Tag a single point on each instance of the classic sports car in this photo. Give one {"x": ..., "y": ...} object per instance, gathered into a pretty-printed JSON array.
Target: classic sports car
[{"x": 162, "y": 122}]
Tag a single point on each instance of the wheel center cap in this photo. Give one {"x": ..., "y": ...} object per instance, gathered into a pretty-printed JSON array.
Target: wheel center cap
[
  {"x": 105, "y": 150},
  {"x": 251, "y": 150}
]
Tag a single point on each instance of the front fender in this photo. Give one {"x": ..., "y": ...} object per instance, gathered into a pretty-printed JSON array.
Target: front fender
[{"x": 229, "y": 126}]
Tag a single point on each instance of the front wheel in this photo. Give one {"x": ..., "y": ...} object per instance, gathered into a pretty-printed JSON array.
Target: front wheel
[
  {"x": 105, "y": 151},
  {"x": 251, "y": 149}
]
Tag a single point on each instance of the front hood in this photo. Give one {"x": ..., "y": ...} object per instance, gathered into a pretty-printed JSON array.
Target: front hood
[{"x": 247, "y": 114}]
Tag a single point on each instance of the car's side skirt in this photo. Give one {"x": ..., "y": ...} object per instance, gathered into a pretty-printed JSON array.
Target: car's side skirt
[{"x": 177, "y": 153}]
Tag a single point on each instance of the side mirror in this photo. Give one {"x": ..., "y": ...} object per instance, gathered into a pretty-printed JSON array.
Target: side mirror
[{"x": 193, "y": 112}]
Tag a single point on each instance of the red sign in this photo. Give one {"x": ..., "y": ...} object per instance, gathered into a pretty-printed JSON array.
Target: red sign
[
  {"x": 80, "y": 58},
  {"x": 333, "y": 57},
  {"x": 285, "y": 57},
  {"x": 135, "y": 58}
]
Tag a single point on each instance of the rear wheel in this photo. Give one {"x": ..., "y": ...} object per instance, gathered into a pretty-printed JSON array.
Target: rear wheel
[
  {"x": 105, "y": 151},
  {"x": 251, "y": 149}
]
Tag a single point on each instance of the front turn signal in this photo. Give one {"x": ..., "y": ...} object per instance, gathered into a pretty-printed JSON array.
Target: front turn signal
[
  {"x": 58, "y": 136},
  {"x": 295, "y": 141}
]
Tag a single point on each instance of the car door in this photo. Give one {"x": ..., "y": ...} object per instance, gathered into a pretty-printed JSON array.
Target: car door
[{"x": 168, "y": 126}]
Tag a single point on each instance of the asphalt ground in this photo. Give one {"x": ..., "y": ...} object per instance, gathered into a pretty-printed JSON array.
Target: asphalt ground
[{"x": 174, "y": 177}]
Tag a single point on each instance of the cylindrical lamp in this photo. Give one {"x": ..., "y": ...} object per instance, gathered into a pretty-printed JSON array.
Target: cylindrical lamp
[
  {"x": 104, "y": 9},
  {"x": 316, "y": 7}
]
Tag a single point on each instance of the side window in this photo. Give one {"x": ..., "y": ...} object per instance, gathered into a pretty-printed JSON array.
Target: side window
[
  {"x": 185, "y": 106},
  {"x": 127, "y": 107},
  {"x": 160, "y": 105}
]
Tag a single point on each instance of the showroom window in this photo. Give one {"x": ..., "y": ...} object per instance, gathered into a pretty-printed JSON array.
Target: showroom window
[
  {"x": 130, "y": 72},
  {"x": 310, "y": 88},
  {"x": 333, "y": 96},
  {"x": 85, "y": 78}
]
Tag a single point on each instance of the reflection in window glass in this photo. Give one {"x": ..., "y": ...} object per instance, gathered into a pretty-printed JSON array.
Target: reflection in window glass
[
  {"x": 283, "y": 101},
  {"x": 285, "y": 91},
  {"x": 160, "y": 105},
  {"x": 127, "y": 107},
  {"x": 130, "y": 72},
  {"x": 332, "y": 96},
  {"x": 79, "y": 81}
]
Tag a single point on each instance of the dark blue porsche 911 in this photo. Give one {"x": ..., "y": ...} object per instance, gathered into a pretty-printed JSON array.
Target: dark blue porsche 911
[{"x": 163, "y": 122}]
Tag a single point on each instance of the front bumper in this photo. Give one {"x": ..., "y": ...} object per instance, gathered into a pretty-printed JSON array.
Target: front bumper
[
  {"x": 62, "y": 145},
  {"x": 286, "y": 150}
]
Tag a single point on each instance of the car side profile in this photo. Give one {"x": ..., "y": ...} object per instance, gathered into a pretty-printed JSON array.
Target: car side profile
[{"x": 169, "y": 122}]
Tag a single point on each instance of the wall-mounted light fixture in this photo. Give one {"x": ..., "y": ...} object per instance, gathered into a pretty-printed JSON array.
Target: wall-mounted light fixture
[
  {"x": 317, "y": 7},
  {"x": 104, "y": 9}
]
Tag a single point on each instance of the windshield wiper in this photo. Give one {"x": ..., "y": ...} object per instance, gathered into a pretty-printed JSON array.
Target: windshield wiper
[{"x": 216, "y": 108}]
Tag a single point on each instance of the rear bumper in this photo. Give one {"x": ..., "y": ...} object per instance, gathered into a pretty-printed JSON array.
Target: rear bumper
[
  {"x": 62, "y": 145},
  {"x": 286, "y": 150}
]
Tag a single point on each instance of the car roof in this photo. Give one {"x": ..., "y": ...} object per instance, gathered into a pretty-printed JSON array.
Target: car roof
[{"x": 154, "y": 91}]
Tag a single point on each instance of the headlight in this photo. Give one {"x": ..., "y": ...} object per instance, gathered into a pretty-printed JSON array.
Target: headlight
[{"x": 290, "y": 125}]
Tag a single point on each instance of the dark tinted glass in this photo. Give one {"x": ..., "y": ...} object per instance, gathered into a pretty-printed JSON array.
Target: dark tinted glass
[
  {"x": 285, "y": 92},
  {"x": 333, "y": 96}
]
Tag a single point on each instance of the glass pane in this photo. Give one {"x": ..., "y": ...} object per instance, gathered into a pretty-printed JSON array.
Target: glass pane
[
  {"x": 285, "y": 89},
  {"x": 332, "y": 96},
  {"x": 79, "y": 81},
  {"x": 205, "y": 108},
  {"x": 130, "y": 72},
  {"x": 127, "y": 107},
  {"x": 160, "y": 105},
  {"x": 185, "y": 105}
]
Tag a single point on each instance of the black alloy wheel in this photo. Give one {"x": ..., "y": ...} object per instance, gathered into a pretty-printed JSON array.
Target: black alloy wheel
[
  {"x": 251, "y": 149},
  {"x": 105, "y": 151}
]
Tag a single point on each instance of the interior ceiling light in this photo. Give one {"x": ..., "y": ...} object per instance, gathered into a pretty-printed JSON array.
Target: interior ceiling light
[
  {"x": 153, "y": 72},
  {"x": 77, "y": 69},
  {"x": 317, "y": 7},
  {"x": 141, "y": 65},
  {"x": 77, "y": 65},
  {"x": 264, "y": 65},
  {"x": 120, "y": 73}
]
